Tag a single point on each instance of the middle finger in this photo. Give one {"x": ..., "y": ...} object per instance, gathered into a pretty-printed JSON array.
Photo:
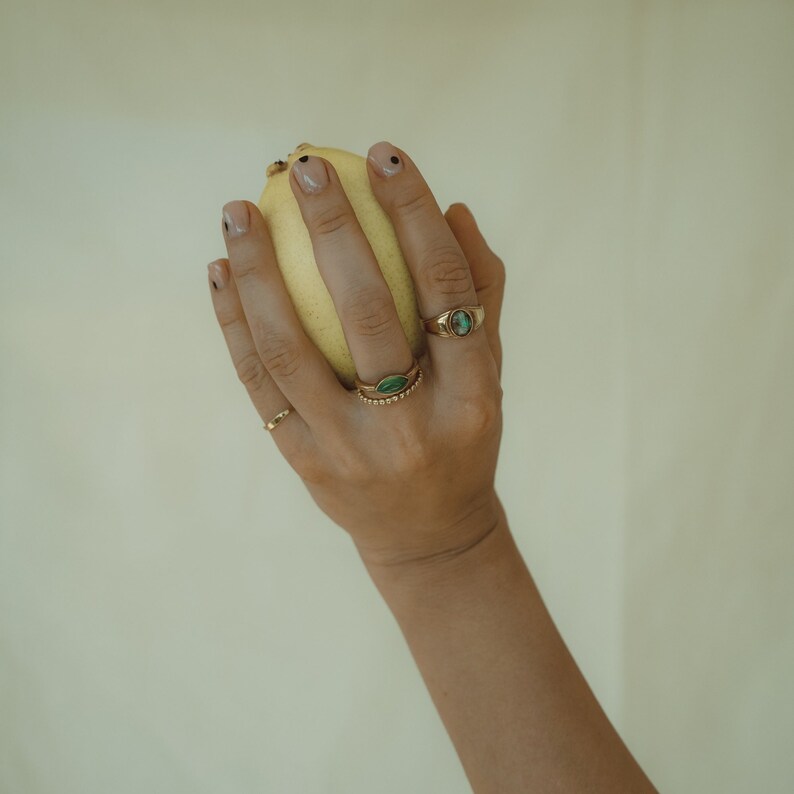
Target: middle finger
[{"x": 350, "y": 271}]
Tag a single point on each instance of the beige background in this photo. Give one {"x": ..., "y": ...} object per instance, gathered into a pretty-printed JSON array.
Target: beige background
[{"x": 175, "y": 613}]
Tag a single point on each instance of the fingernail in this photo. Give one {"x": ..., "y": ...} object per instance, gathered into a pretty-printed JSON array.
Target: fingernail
[
  {"x": 385, "y": 159},
  {"x": 311, "y": 173},
  {"x": 235, "y": 218},
  {"x": 218, "y": 273}
]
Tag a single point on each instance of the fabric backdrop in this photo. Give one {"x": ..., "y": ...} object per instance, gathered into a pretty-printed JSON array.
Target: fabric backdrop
[{"x": 175, "y": 613}]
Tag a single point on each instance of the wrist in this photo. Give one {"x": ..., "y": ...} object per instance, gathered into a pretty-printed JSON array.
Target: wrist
[{"x": 482, "y": 541}]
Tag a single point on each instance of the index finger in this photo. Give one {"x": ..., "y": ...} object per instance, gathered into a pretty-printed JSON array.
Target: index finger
[{"x": 437, "y": 263}]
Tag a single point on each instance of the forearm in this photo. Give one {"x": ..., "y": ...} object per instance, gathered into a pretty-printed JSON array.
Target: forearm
[{"x": 518, "y": 710}]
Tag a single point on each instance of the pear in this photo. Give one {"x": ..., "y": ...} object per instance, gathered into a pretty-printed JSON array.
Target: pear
[{"x": 295, "y": 256}]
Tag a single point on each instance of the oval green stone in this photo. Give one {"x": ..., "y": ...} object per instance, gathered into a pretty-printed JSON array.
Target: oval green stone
[
  {"x": 460, "y": 323},
  {"x": 392, "y": 384}
]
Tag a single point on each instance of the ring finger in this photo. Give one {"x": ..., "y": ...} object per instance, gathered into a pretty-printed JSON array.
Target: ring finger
[
  {"x": 437, "y": 263},
  {"x": 293, "y": 436}
]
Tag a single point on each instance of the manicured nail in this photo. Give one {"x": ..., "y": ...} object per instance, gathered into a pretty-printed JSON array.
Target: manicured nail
[
  {"x": 385, "y": 159},
  {"x": 218, "y": 273},
  {"x": 235, "y": 218},
  {"x": 311, "y": 173}
]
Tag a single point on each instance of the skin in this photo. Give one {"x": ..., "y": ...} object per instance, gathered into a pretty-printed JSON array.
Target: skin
[{"x": 425, "y": 518}]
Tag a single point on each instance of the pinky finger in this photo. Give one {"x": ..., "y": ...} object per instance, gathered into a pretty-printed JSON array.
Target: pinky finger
[
  {"x": 487, "y": 272},
  {"x": 292, "y": 436}
]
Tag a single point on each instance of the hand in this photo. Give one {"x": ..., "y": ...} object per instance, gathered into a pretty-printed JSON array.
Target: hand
[{"x": 412, "y": 480}]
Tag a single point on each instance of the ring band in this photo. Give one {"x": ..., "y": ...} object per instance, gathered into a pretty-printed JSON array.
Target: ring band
[
  {"x": 456, "y": 323},
  {"x": 277, "y": 419},
  {"x": 390, "y": 388}
]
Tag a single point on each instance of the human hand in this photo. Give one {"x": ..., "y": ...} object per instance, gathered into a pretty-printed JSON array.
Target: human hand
[{"x": 412, "y": 480}]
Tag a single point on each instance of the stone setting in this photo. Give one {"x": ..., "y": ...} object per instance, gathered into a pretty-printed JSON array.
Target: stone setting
[
  {"x": 461, "y": 322},
  {"x": 392, "y": 384},
  {"x": 395, "y": 398}
]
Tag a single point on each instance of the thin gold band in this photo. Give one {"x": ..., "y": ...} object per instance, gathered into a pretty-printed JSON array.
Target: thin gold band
[{"x": 277, "y": 419}]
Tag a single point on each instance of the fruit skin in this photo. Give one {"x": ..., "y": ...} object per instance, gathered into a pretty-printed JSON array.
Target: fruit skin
[{"x": 295, "y": 256}]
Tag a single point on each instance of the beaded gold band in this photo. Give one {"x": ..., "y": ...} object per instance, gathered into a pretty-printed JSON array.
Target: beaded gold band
[
  {"x": 277, "y": 419},
  {"x": 456, "y": 323},
  {"x": 391, "y": 388}
]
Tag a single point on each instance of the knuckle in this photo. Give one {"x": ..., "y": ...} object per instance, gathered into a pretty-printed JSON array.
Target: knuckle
[
  {"x": 280, "y": 354},
  {"x": 444, "y": 271},
  {"x": 244, "y": 266},
  {"x": 413, "y": 203},
  {"x": 352, "y": 466},
  {"x": 251, "y": 371},
  {"x": 409, "y": 456},
  {"x": 228, "y": 320},
  {"x": 369, "y": 312},
  {"x": 410, "y": 452},
  {"x": 330, "y": 221},
  {"x": 481, "y": 413},
  {"x": 310, "y": 468},
  {"x": 416, "y": 459}
]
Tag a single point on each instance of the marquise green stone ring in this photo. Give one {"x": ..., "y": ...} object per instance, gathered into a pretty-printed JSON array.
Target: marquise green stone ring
[{"x": 391, "y": 388}]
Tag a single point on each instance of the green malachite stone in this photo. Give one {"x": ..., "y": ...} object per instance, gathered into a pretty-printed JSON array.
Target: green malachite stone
[
  {"x": 392, "y": 384},
  {"x": 460, "y": 323}
]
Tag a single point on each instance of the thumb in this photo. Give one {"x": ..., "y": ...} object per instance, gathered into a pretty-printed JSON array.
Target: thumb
[{"x": 487, "y": 272}]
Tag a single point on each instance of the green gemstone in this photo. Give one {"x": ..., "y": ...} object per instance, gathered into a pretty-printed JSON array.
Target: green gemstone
[
  {"x": 460, "y": 322},
  {"x": 392, "y": 384}
]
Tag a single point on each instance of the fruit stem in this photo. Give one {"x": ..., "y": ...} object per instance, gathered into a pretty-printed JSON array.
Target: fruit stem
[
  {"x": 275, "y": 168},
  {"x": 281, "y": 165}
]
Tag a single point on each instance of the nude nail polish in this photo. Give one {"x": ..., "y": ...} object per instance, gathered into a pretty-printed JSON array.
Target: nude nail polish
[
  {"x": 311, "y": 174},
  {"x": 235, "y": 218},
  {"x": 218, "y": 274},
  {"x": 385, "y": 159}
]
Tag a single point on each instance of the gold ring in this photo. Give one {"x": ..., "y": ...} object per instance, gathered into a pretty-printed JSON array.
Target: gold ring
[
  {"x": 392, "y": 387},
  {"x": 456, "y": 323},
  {"x": 277, "y": 419}
]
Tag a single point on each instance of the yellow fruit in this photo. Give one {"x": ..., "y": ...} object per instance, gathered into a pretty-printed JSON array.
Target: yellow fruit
[{"x": 298, "y": 267}]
